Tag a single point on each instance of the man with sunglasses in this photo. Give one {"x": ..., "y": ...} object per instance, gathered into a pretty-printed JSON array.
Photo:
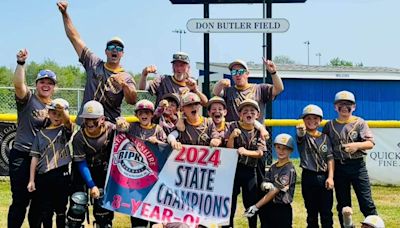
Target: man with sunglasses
[
  {"x": 106, "y": 82},
  {"x": 179, "y": 83},
  {"x": 351, "y": 138},
  {"x": 262, "y": 93}
]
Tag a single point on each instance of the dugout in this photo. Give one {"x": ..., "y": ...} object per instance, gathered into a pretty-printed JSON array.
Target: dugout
[{"x": 376, "y": 89}]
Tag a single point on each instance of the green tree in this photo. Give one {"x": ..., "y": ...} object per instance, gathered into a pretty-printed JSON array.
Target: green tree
[
  {"x": 283, "y": 59},
  {"x": 340, "y": 62}
]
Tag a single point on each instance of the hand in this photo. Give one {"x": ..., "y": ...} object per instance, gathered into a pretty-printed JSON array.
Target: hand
[
  {"x": 176, "y": 145},
  {"x": 153, "y": 139},
  {"x": 62, "y": 6},
  {"x": 215, "y": 142},
  {"x": 94, "y": 192},
  {"x": 251, "y": 211},
  {"x": 271, "y": 67},
  {"x": 264, "y": 133},
  {"x": 22, "y": 55},
  {"x": 149, "y": 70},
  {"x": 241, "y": 151},
  {"x": 31, "y": 186},
  {"x": 301, "y": 129},
  {"x": 180, "y": 124},
  {"x": 163, "y": 104},
  {"x": 191, "y": 84},
  {"x": 350, "y": 148},
  {"x": 118, "y": 78},
  {"x": 329, "y": 184},
  {"x": 225, "y": 83},
  {"x": 235, "y": 133},
  {"x": 121, "y": 124}
]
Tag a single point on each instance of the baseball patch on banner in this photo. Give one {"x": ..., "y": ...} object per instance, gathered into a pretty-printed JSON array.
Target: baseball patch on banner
[
  {"x": 7, "y": 136},
  {"x": 155, "y": 183}
]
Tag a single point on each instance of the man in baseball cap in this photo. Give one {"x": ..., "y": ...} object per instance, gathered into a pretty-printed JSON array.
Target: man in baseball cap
[
  {"x": 107, "y": 81},
  {"x": 180, "y": 82}
]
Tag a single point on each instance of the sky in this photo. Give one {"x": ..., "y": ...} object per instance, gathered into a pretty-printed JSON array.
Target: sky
[{"x": 361, "y": 31}]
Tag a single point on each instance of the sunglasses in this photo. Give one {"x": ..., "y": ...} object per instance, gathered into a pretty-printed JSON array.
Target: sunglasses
[
  {"x": 115, "y": 47},
  {"x": 238, "y": 72}
]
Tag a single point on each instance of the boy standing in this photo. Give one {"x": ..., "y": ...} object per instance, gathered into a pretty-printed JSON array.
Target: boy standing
[
  {"x": 316, "y": 159},
  {"x": 244, "y": 136},
  {"x": 351, "y": 138},
  {"x": 49, "y": 173},
  {"x": 279, "y": 183},
  {"x": 92, "y": 148}
]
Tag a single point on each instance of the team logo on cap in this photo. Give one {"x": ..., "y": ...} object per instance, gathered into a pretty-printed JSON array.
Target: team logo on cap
[
  {"x": 284, "y": 139},
  {"x": 134, "y": 164},
  {"x": 89, "y": 109}
]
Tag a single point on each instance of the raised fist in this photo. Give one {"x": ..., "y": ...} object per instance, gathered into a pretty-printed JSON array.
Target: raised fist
[
  {"x": 22, "y": 55},
  {"x": 225, "y": 83},
  {"x": 149, "y": 70},
  {"x": 301, "y": 129},
  {"x": 235, "y": 133}
]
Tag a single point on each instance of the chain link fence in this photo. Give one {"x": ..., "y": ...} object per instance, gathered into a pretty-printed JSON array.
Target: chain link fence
[{"x": 72, "y": 95}]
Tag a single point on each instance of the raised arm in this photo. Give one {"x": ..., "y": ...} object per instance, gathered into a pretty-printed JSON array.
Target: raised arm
[
  {"x": 143, "y": 78},
  {"x": 21, "y": 89},
  {"x": 219, "y": 87},
  {"x": 276, "y": 80},
  {"x": 70, "y": 29}
]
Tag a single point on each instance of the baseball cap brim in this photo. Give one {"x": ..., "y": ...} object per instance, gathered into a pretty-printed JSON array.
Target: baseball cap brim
[
  {"x": 242, "y": 105},
  {"x": 172, "y": 97},
  {"x": 89, "y": 116},
  {"x": 238, "y": 62}
]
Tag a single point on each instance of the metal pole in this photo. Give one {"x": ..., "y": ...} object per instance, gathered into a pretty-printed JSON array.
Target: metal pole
[
  {"x": 206, "y": 84},
  {"x": 319, "y": 58},
  {"x": 308, "y": 51},
  {"x": 264, "y": 44}
]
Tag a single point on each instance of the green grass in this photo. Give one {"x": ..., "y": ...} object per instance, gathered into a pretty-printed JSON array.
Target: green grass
[{"x": 387, "y": 200}]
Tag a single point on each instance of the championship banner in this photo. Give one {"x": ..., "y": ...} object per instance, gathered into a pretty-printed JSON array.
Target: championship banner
[
  {"x": 383, "y": 161},
  {"x": 7, "y": 135},
  {"x": 155, "y": 183}
]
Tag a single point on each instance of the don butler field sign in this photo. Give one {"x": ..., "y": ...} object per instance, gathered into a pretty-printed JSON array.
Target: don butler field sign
[{"x": 244, "y": 25}]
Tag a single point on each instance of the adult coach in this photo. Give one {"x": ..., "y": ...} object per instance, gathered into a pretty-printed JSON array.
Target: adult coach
[
  {"x": 180, "y": 82},
  {"x": 234, "y": 95},
  {"x": 106, "y": 82},
  {"x": 32, "y": 116}
]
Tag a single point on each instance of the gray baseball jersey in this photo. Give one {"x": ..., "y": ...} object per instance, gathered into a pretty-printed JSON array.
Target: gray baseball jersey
[
  {"x": 32, "y": 114},
  {"x": 343, "y": 133},
  {"x": 219, "y": 133},
  {"x": 262, "y": 93},
  {"x": 196, "y": 135},
  {"x": 51, "y": 147},
  {"x": 98, "y": 86},
  {"x": 164, "y": 84},
  {"x": 284, "y": 178},
  {"x": 136, "y": 130},
  {"x": 250, "y": 140},
  {"x": 96, "y": 150},
  {"x": 315, "y": 152}
]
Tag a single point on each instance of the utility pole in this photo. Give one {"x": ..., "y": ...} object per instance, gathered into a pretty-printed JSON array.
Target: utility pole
[
  {"x": 308, "y": 51},
  {"x": 180, "y": 31},
  {"x": 319, "y": 58}
]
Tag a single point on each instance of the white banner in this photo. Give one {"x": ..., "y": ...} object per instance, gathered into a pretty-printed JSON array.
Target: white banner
[
  {"x": 152, "y": 182},
  {"x": 383, "y": 161}
]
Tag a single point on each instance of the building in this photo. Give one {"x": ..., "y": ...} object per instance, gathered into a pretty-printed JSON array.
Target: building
[{"x": 377, "y": 89}]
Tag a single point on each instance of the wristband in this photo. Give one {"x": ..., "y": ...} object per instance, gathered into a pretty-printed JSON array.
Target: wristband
[
  {"x": 273, "y": 73},
  {"x": 20, "y": 62}
]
